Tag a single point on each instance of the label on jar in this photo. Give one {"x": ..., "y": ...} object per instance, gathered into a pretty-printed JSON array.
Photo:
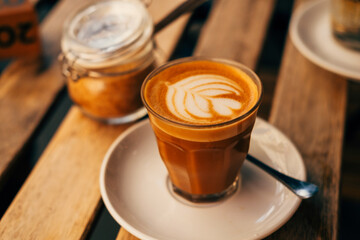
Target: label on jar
[{"x": 19, "y": 34}]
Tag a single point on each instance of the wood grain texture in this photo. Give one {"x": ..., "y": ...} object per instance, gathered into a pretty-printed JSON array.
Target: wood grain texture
[
  {"x": 125, "y": 235},
  {"x": 28, "y": 87},
  {"x": 236, "y": 30},
  {"x": 61, "y": 197},
  {"x": 309, "y": 107}
]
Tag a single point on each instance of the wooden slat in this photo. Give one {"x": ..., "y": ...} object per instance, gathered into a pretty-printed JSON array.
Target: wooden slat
[
  {"x": 236, "y": 30},
  {"x": 223, "y": 36},
  {"x": 61, "y": 196},
  {"x": 28, "y": 87},
  {"x": 125, "y": 235},
  {"x": 309, "y": 107}
]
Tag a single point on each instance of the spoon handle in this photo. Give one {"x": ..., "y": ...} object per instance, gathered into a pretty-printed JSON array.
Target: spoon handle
[{"x": 302, "y": 189}]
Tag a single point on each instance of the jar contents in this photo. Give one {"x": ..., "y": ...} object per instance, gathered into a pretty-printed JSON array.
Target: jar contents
[
  {"x": 108, "y": 51},
  {"x": 109, "y": 96}
]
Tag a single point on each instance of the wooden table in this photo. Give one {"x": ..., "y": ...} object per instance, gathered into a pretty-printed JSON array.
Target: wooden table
[{"x": 60, "y": 198}]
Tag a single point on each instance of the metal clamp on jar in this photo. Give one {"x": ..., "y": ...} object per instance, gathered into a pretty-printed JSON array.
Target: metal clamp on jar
[{"x": 107, "y": 51}]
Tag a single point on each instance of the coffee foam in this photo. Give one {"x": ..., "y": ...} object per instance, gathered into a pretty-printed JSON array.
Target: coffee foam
[
  {"x": 202, "y": 97},
  {"x": 201, "y": 92}
]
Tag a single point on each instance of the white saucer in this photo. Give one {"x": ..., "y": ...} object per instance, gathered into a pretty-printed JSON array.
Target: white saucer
[
  {"x": 133, "y": 182},
  {"x": 310, "y": 31}
]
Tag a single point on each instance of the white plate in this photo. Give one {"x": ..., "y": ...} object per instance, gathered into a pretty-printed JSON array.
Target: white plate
[
  {"x": 310, "y": 31},
  {"x": 133, "y": 182}
]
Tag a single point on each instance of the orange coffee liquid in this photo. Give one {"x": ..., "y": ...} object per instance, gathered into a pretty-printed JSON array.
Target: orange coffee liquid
[{"x": 204, "y": 144}]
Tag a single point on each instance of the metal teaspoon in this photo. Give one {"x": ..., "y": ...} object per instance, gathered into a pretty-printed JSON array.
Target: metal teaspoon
[{"x": 302, "y": 189}]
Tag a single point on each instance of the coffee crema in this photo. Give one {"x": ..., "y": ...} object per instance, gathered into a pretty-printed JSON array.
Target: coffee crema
[{"x": 201, "y": 92}]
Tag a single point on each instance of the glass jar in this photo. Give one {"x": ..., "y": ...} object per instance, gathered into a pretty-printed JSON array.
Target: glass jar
[{"x": 107, "y": 51}]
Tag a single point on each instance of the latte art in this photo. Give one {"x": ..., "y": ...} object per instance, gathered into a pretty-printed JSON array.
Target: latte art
[
  {"x": 203, "y": 96},
  {"x": 201, "y": 92}
]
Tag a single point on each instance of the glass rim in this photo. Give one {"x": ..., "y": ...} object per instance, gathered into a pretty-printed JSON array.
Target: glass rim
[{"x": 238, "y": 65}]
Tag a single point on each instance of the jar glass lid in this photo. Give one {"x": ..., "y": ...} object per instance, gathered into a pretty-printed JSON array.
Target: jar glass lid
[{"x": 105, "y": 30}]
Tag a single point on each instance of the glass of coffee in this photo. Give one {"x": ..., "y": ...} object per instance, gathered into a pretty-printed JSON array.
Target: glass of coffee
[{"x": 202, "y": 111}]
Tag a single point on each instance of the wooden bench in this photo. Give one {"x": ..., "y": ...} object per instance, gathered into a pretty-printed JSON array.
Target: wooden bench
[{"x": 61, "y": 198}]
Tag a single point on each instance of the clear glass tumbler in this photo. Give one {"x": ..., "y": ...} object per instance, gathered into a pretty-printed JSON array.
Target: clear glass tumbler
[{"x": 203, "y": 160}]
